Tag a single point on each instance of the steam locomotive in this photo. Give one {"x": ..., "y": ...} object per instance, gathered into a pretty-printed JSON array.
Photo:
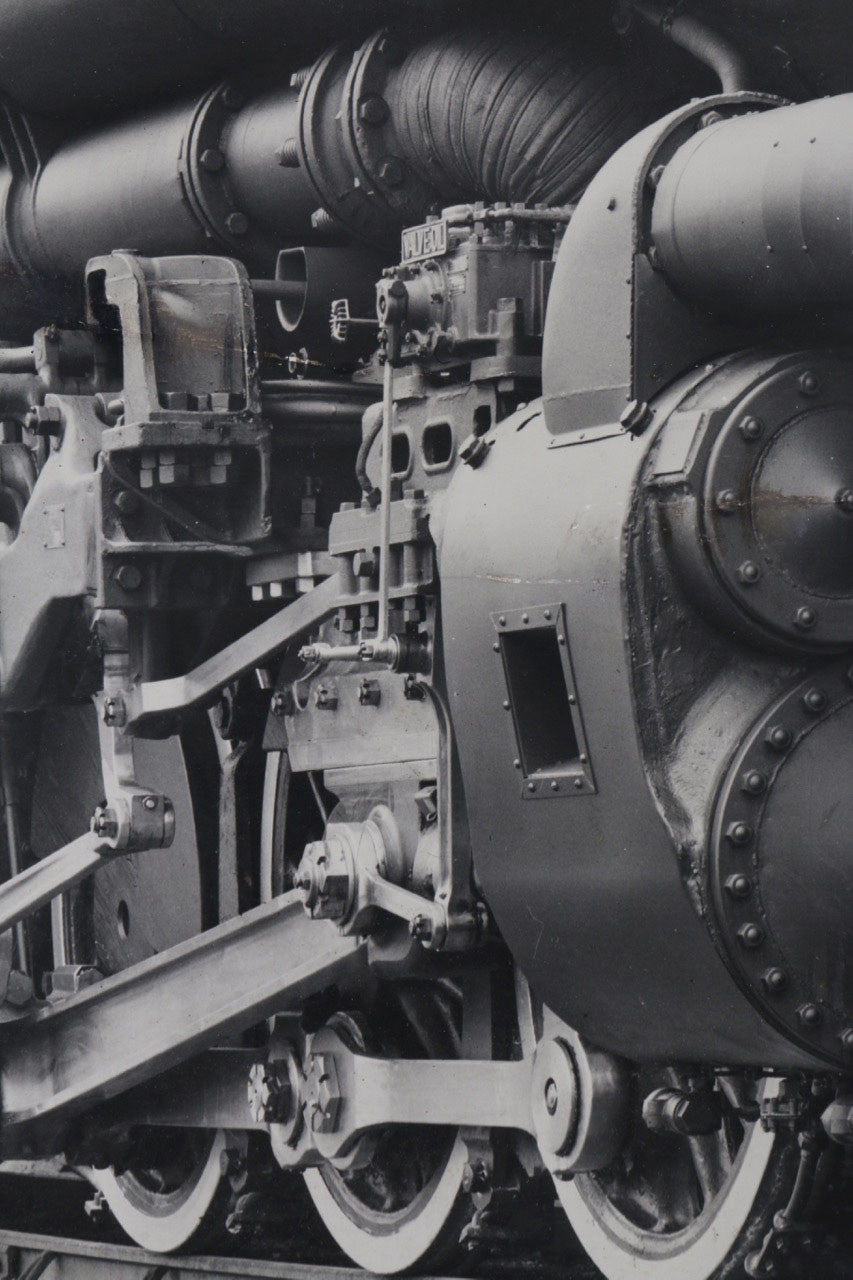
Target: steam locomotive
[{"x": 426, "y": 651}]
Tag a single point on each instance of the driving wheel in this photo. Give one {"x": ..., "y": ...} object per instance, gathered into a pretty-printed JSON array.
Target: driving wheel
[
  {"x": 169, "y": 1195},
  {"x": 402, "y": 1206}
]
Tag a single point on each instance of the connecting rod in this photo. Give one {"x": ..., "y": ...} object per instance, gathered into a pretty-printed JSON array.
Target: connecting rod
[{"x": 59, "y": 1060}]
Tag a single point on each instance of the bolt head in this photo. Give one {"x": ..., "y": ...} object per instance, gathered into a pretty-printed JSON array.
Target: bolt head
[
  {"x": 739, "y": 833},
  {"x": 635, "y": 416},
  {"x": 126, "y": 502},
  {"x": 846, "y": 1039},
  {"x": 751, "y": 935},
  {"x": 749, "y": 573},
  {"x": 805, "y": 617},
  {"x": 373, "y": 110},
  {"x": 753, "y": 782},
  {"x": 129, "y": 577},
  {"x": 751, "y": 429},
  {"x": 810, "y": 1015},
  {"x": 232, "y": 98},
  {"x": 814, "y": 700},
  {"x": 808, "y": 383},
  {"x": 552, "y": 1097},
  {"x": 775, "y": 980},
  {"x": 212, "y": 160},
  {"x": 237, "y": 224},
  {"x": 738, "y": 886},
  {"x": 778, "y": 737},
  {"x": 844, "y": 500},
  {"x": 726, "y": 501}
]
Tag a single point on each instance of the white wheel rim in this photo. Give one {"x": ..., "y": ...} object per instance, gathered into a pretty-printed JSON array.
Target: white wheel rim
[
  {"x": 686, "y": 1255},
  {"x": 405, "y": 1244},
  {"x": 182, "y": 1215}
]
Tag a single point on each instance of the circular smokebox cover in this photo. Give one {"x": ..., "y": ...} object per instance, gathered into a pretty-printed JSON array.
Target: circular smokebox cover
[
  {"x": 778, "y": 501},
  {"x": 781, "y": 864}
]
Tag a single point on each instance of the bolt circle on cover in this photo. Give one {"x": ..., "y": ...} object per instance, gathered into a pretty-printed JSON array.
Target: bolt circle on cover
[
  {"x": 779, "y": 870},
  {"x": 774, "y": 526}
]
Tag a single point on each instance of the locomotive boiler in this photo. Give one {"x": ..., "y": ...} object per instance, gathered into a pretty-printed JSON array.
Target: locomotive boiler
[{"x": 426, "y": 646}]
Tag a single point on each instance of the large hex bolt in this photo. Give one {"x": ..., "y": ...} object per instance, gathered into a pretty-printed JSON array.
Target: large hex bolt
[
  {"x": 325, "y": 879},
  {"x": 269, "y": 1093},
  {"x": 322, "y": 1094},
  {"x": 676, "y": 1111}
]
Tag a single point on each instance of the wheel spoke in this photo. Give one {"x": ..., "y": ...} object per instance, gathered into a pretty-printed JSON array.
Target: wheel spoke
[{"x": 711, "y": 1163}]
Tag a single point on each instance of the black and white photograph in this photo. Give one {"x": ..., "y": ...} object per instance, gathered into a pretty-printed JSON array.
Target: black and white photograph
[{"x": 426, "y": 639}]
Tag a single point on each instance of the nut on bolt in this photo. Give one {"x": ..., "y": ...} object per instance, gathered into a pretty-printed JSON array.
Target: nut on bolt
[
  {"x": 44, "y": 420},
  {"x": 369, "y": 693},
  {"x": 105, "y": 823},
  {"x": 322, "y": 1094},
  {"x": 269, "y": 1092}
]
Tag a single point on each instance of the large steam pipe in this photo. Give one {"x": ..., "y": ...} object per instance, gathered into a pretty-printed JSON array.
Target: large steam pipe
[
  {"x": 75, "y": 57},
  {"x": 754, "y": 216},
  {"x": 356, "y": 146}
]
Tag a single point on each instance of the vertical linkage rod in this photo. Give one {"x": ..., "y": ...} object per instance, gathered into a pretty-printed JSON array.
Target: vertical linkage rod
[{"x": 383, "y": 620}]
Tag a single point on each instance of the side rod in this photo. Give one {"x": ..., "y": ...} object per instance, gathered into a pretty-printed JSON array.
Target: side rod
[
  {"x": 134, "y": 1025},
  {"x": 50, "y": 876},
  {"x": 154, "y": 702}
]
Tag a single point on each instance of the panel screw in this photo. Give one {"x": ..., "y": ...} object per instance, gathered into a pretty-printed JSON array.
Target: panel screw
[
  {"x": 547, "y": 615},
  {"x": 531, "y": 786},
  {"x": 726, "y": 501},
  {"x": 555, "y": 786},
  {"x": 810, "y": 1015},
  {"x": 505, "y": 704},
  {"x": 502, "y": 620},
  {"x": 814, "y": 700},
  {"x": 775, "y": 980},
  {"x": 808, "y": 383},
  {"x": 212, "y": 160},
  {"x": 805, "y": 617},
  {"x": 753, "y": 782},
  {"x": 739, "y": 833},
  {"x": 129, "y": 577},
  {"x": 749, "y": 572},
  {"x": 578, "y": 784},
  {"x": 751, "y": 429},
  {"x": 237, "y": 224},
  {"x": 496, "y": 646},
  {"x": 778, "y": 737},
  {"x": 149, "y": 803},
  {"x": 516, "y": 764},
  {"x": 525, "y": 617},
  {"x": 738, "y": 886},
  {"x": 751, "y": 935}
]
